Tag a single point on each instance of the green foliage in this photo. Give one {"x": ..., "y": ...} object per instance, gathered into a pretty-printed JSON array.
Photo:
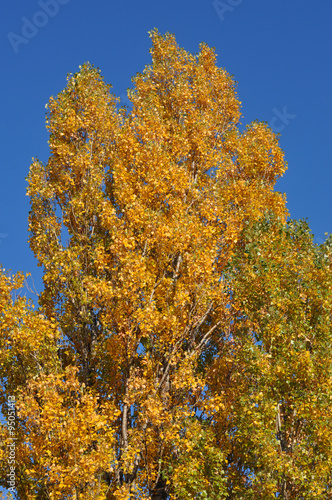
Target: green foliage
[{"x": 197, "y": 471}]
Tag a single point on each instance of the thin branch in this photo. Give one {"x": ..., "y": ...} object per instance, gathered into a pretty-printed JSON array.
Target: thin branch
[{"x": 205, "y": 338}]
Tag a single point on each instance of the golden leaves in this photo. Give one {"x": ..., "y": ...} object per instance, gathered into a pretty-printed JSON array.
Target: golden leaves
[{"x": 69, "y": 436}]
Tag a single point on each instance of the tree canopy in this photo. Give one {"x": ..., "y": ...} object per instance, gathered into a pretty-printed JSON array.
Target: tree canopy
[{"x": 181, "y": 346}]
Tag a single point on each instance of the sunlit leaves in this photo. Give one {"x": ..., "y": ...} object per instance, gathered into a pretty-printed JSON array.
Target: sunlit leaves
[{"x": 282, "y": 284}]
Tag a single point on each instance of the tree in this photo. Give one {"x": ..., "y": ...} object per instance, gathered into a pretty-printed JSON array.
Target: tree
[
  {"x": 162, "y": 337},
  {"x": 281, "y": 284}
]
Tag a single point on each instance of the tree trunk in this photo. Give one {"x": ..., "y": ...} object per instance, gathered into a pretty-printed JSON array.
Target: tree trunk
[{"x": 159, "y": 492}]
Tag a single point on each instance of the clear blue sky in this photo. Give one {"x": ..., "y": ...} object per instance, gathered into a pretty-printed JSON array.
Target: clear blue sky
[{"x": 278, "y": 51}]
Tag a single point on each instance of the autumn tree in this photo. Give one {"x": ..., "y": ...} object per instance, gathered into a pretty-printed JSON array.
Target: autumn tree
[
  {"x": 278, "y": 386},
  {"x": 180, "y": 347}
]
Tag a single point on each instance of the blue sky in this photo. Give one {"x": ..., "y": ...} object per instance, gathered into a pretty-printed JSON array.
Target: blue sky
[{"x": 278, "y": 52}]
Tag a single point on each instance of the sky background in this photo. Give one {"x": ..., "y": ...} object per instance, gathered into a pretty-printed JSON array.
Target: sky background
[{"x": 277, "y": 50}]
